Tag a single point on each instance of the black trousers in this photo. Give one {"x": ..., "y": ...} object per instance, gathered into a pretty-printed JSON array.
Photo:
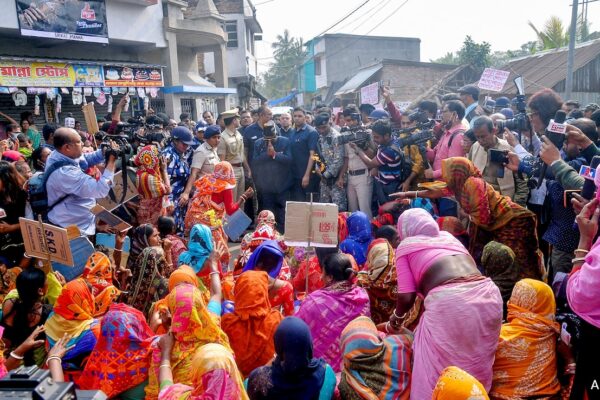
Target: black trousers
[
  {"x": 274, "y": 202},
  {"x": 298, "y": 193}
]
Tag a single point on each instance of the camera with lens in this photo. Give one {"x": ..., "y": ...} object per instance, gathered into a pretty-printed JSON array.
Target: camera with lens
[
  {"x": 520, "y": 122},
  {"x": 122, "y": 141},
  {"x": 358, "y": 135}
]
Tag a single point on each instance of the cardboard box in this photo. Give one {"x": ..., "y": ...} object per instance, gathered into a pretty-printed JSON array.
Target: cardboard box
[
  {"x": 57, "y": 239},
  {"x": 309, "y": 224},
  {"x": 117, "y": 189}
]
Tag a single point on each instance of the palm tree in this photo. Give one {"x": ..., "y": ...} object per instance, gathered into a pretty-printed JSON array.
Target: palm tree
[{"x": 553, "y": 35}]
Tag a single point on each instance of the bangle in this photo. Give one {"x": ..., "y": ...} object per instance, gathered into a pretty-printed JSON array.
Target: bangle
[
  {"x": 119, "y": 250},
  {"x": 16, "y": 356},
  {"x": 416, "y": 194},
  {"x": 213, "y": 272},
  {"x": 578, "y": 260},
  {"x": 584, "y": 251},
  {"x": 387, "y": 327},
  {"x": 397, "y": 317},
  {"x": 52, "y": 358}
]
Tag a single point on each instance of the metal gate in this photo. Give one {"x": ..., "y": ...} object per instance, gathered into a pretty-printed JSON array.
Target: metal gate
[{"x": 187, "y": 106}]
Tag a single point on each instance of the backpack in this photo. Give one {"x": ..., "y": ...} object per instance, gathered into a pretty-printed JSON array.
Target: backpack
[{"x": 38, "y": 195}]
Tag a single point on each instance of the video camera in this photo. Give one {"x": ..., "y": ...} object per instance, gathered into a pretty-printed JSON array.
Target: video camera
[
  {"x": 358, "y": 134},
  {"x": 121, "y": 139},
  {"x": 520, "y": 122},
  {"x": 424, "y": 125}
]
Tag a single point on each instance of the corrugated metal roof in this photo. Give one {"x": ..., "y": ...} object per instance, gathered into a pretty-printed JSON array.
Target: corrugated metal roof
[
  {"x": 361, "y": 77},
  {"x": 547, "y": 69}
]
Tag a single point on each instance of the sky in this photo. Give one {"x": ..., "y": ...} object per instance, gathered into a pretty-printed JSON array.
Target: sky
[{"x": 440, "y": 24}]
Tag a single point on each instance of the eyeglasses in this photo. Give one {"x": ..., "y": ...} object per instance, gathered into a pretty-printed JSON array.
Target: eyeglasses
[{"x": 532, "y": 114}]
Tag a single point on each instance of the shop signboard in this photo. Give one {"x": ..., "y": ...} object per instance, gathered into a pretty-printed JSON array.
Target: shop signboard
[
  {"x": 36, "y": 74},
  {"x": 132, "y": 77},
  {"x": 64, "y": 19},
  {"x": 88, "y": 75}
]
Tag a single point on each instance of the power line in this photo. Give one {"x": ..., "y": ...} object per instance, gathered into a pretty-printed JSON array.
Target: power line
[
  {"x": 345, "y": 17},
  {"x": 367, "y": 14}
]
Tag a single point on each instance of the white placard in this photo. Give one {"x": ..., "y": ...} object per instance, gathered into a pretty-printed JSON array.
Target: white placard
[
  {"x": 370, "y": 94},
  {"x": 493, "y": 79}
]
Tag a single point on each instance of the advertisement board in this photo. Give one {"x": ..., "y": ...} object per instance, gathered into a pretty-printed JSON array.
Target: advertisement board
[
  {"x": 36, "y": 74},
  {"x": 132, "y": 77},
  {"x": 64, "y": 19}
]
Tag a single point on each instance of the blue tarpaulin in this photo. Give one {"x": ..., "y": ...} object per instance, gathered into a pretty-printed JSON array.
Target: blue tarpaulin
[{"x": 282, "y": 99}]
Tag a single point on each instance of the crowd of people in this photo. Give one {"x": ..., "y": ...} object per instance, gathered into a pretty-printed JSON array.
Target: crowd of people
[{"x": 456, "y": 276}]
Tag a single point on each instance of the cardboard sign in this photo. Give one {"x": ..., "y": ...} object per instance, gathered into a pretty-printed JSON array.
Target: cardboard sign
[
  {"x": 322, "y": 231},
  {"x": 57, "y": 239},
  {"x": 370, "y": 94},
  {"x": 117, "y": 190},
  {"x": 236, "y": 224},
  {"x": 109, "y": 218},
  {"x": 90, "y": 118},
  {"x": 82, "y": 249},
  {"x": 493, "y": 79}
]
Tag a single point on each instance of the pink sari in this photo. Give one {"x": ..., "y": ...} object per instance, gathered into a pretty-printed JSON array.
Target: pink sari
[
  {"x": 327, "y": 311},
  {"x": 582, "y": 288}
]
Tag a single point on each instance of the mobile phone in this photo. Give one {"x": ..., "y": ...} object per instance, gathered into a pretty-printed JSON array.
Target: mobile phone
[
  {"x": 498, "y": 156},
  {"x": 587, "y": 172},
  {"x": 2, "y": 213},
  {"x": 567, "y": 196}
]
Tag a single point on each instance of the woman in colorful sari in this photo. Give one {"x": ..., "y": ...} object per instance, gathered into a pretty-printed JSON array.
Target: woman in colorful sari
[
  {"x": 145, "y": 236},
  {"x": 268, "y": 257},
  {"x": 252, "y": 324},
  {"x": 214, "y": 198},
  {"x": 294, "y": 374},
  {"x": 456, "y": 384},
  {"x": 200, "y": 246},
  {"x": 380, "y": 281},
  {"x": 193, "y": 324},
  {"x": 212, "y": 375},
  {"x": 327, "y": 311},
  {"x": 499, "y": 264},
  {"x": 73, "y": 314},
  {"x": 453, "y": 226},
  {"x": 98, "y": 272},
  {"x": 314, "y": 270},
  {"x": 375, "y": 367},
  {"x": 359, "y": 237},
  {"x": 119, "y": 363},
  {"x": 152, "y": 184},
  {"x": 463, "y": 309},
  {"x": 149, "y": 283},
  {"x": 526, "y": 364}
]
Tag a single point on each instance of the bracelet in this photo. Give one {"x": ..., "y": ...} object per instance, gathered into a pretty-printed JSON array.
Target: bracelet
[
  {"x": 416, "y": 194},
  {"x": 15, "y": 356},
  {"x": 52, "y": 358},
  {"x": 578, "y": 260},
  {"x": 165, "y": 366},
  {"x": 387, "y": 327},
  {"x": 584, "y": 251},
  {"x": 213, "y": 272},
  {"x": 119, "y": 250},
  {"x": 397, "y": 317}
]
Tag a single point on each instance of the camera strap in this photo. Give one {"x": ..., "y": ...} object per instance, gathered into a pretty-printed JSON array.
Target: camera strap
[{"x": 125, "y": 177}]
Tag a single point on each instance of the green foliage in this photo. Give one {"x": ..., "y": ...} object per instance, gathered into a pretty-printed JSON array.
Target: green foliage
[
  {"x": 476, "y": 54},
  {"x": 281, "y": 77},
  {"x": 448, "y": 58}
]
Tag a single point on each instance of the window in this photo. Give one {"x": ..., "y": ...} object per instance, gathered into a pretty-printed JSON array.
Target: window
[
  {"x": 232, "y": 34},
  {"x": 318, "y": 66}
]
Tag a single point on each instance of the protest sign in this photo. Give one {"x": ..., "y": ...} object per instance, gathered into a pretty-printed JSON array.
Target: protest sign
[
  {"x": 109, "y": 218},
  {"x": 110, "y": 202},
  {"x": 46, "y": 241},
  {"x": 82, "y": 249},
  {"x": 91, "y": 121},
  {"x": 493, "y": 79},
  {"x": 236, "y": 224},
  {"x": 370, "y": 94},
  {"x": 311, "y": 224}
]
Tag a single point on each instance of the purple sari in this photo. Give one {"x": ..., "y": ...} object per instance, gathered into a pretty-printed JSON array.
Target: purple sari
[{"x": 327, "y": 311}]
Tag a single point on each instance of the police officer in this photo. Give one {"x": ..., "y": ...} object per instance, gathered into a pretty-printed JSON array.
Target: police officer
[
  {"x": 204, "y": 160},
  {"x": 231, "y": 149},
  {"x": 331, "y": 152}
]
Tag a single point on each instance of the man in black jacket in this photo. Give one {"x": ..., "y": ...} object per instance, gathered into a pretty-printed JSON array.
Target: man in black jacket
[{"x": 469, "y": 95}]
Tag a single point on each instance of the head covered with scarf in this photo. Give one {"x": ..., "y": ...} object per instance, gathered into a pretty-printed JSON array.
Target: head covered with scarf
[
  {"x": 222, "y": 178},
  {"x": 98, "y": 272},
  {"x": 148, "y": 177},
  {"x": 120, "y": 359},
  {"x": 359, "y": 237},
  {"x": 269, "y": 250},
  {"x": 456, "y": 384},
  {"x": 499, "y": 264},
  {"x": 294, "y": 374},
  {"x": 200, "y": 246},
  {"x": 140, "y": 240},
  {"x": 252, "y": 324},
  {"x": 374, "y": 367}
]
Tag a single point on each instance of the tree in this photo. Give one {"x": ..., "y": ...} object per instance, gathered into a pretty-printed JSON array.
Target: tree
[
  {"x": 281, "y": 77},
  {"x": 448, "y": 58},
  {"x": 476, "y": 54},
  {"x": 555, "y": 34}
]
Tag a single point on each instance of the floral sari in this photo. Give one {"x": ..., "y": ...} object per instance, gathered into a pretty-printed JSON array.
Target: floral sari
[
  {"x": 98, "y": 272},
  {"x": 150, "y": 185}
]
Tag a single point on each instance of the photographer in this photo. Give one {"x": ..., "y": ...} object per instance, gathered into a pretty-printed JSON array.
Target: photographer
[
  {"x": 360, "y": 182},
  {"x": 387, "y": 164},
  {"x": 71, "y": 192},
  {"x": 331, "y": 153}
]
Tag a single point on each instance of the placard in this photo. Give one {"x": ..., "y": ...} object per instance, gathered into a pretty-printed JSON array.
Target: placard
[
  {"x": 82, "y": 249},
  {"x": 493, "y": 79},
  {"x": 91, "y": 121},
  {"x": 109, "y": 218},
  {"x": 236, "y": 224},
  {"x": 117, "y": 190},
  {"x": 323, "y": 228},
  {"x": 65, "y": 19},
  {"x": 132, "y": 77},
  {"x": 370, "y": 94},
  {"x": 57, "y": 239}
]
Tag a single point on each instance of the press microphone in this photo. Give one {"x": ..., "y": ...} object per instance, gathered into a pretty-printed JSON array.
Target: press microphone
[
  {"x": 556, "y": 133},
  {"x": 589, "y": 187}
]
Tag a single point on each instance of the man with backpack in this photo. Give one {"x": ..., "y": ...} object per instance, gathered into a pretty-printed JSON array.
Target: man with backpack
[{"x": 71, "y": 193}]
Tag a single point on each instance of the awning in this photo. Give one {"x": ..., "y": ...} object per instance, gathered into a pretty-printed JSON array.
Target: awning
[
  {"x": 207, "y": 90},
  {"x": 357, "y": 80}
]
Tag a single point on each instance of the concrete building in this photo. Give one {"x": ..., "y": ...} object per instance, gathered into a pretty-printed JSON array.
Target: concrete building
[
  {"x": 162, "y": 37},
  {"x": 243, "y": 30},
  {"x": 332, "y": 59}
]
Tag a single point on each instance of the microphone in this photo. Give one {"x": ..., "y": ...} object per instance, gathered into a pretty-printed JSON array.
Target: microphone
[
  {"x": 555, "y": 132},
  {"x": 589, "y": 187}
]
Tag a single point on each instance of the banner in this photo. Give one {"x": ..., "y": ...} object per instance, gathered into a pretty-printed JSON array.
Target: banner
[
  {"x": 88, "y": 75},
  {"x": 132, "y": 77},
  {"x": 64, "y": 19},
  {"x": 36, "y": 74}
]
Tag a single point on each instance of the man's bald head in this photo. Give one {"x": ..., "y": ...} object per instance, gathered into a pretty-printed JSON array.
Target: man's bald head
[{"x": 64, "y": 136}]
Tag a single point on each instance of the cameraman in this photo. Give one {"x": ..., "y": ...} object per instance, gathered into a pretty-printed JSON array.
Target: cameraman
[
  {"x": 331, "y": 153},
  {"x": 71, "y": 192},
  {"x": 360, "y": 182},
  {"x": 387, "y": 166}
]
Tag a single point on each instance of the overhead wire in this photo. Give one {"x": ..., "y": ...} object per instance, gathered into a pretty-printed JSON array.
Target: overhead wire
[
  {"x": 366, "y": 15},
  {"x": 345, "y": 17}
]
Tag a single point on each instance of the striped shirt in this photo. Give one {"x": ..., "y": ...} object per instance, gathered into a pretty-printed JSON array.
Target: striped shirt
[{"x": 390, "y": 163}]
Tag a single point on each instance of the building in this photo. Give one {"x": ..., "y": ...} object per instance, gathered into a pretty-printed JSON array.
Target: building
[
  {"x": 548, "y": 69},
  {"x": 407, "y": 80},
  {"x": 332, "y": 59},
  {"x": 149, "y": 48},
  {"x": 243, "y": 30}
]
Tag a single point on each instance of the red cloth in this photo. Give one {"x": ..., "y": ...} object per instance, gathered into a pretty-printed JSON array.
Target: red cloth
[{"x": 226, "y": 197}]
